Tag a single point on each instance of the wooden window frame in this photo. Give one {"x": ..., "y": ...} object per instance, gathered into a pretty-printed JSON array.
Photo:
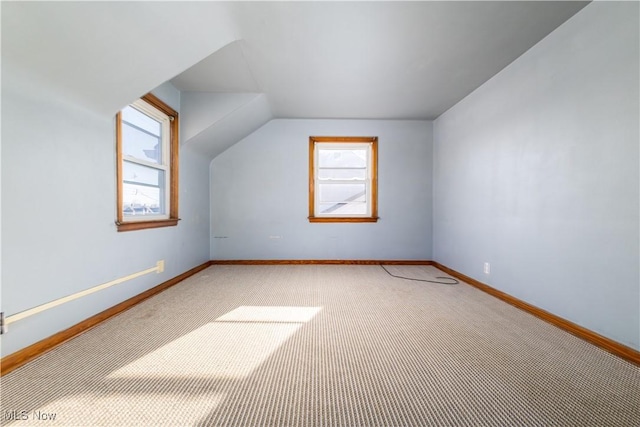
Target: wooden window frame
[
  {"x": 373, "y": 172},
  {"x": 174, "y": 146}
]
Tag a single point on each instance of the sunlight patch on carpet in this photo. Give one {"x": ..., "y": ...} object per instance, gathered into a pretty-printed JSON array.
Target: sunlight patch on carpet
[
  {"x": 270, "y": 314},
  {"x": 232, "y": 347}
]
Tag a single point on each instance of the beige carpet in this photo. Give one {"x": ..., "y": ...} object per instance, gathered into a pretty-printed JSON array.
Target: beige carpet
[{"x": 323, "y": 346}]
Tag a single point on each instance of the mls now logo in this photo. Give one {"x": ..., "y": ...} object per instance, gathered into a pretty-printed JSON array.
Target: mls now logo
[{"x": 15, "y": 415}]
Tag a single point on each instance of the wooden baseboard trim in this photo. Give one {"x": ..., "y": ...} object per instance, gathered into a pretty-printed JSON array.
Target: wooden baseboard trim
[
  {"x": 21, "y": 357},
  {"x": 604, "y": 343},
  {"x": 318, "y": 261},
  {"x": 27, "y": 354}
]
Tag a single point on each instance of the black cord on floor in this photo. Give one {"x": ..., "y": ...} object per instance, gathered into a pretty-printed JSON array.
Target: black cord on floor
[{"x": 454, "y": 281}]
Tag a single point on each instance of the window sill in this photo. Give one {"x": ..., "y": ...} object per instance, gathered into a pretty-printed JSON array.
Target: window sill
[
  {"x": 343, "y": 219},
  {"x": 141, "y": 225}
]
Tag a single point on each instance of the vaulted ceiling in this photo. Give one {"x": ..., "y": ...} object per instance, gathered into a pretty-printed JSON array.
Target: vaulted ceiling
[
  {"x": 240, "y": 64},
  {"x": 371, "y": 60}
]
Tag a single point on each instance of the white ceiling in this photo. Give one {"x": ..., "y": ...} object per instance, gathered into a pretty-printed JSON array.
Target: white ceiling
[
  {"x": 240, "y": 64},
  {"x": 371, "y": 60},
  {"x": 103, "y": 55}
]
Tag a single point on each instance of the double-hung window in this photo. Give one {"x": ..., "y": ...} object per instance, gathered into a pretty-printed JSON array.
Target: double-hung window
[
  {"x": 343, "y": 179},
  {"x": 147, "y": 165}
]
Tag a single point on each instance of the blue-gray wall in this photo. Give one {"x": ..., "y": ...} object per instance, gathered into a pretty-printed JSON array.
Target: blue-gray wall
[
  {"x": 59, "y": 207},
  {"x": 259, "y": 190},
  {"x": 536, "y": 172}
]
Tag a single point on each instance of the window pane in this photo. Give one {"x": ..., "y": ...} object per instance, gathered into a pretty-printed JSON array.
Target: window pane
[
  {"x": 139, "y": 142},
  {"x": 342, "y": 174},
  {"x": 343, "y": 208},
  {"x": 141, "y": 120},
  {"x": 143, "y": 190},
  {"x": 142, "y": 200},
  {"x": 338, "y": 193},
  {"x": 132, "y": 172},
  {"x": 342, "y": 158}
]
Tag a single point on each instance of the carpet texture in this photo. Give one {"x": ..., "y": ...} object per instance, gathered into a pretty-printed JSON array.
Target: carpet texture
[{"x": 323, "y": 345}]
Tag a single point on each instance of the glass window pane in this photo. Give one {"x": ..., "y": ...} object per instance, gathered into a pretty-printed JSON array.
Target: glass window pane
[
  {"x": 343, "y": 208},
  {"x": 342, "y": 174},
  {"x": 141, "y": 120},
  {"x": 132, "y": 172},
  {"x": 142, "y": 200},
  {"x": 140, "y": 143},
  {"x": 333, "y": 158},
  {"x": 342, "y": 193},
  {"x": 143, "y": 190}
]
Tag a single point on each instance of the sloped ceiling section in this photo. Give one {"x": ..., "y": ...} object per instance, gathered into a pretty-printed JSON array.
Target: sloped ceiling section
[
  {"x": 373, "y": 60},
  {"x": 239, "y": 64},
  {"x": 103, "y": 55},
  {"x": 227, "y": 129},
  {"x": 226, "y": 70},
  {"x": 201, "y": 110},
  {"x": 354, "y": 60},
  {"x": 221, "y": 101}
]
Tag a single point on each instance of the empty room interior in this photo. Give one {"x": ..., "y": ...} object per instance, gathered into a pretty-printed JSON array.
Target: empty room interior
[{"x": 320, "y": 213}]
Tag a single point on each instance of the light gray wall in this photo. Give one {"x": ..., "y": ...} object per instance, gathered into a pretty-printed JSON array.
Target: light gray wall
[
  {"x": 536, "y": 172},
  {"x": 260, "y": 188},
  {"x": 59, "y": 207}
]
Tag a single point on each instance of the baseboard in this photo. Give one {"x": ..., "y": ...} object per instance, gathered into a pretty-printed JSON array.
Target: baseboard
[
  {"x": 27, "y": 354},
  {"x": 318, "y": 261},
  {"x": 21, "y": 357},
  {"x": 604, "y": 343}
]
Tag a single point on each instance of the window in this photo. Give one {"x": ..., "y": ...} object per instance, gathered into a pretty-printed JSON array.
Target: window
[
  {"x": 343, "y": 179},
  {"x": 147, "y": 165}
]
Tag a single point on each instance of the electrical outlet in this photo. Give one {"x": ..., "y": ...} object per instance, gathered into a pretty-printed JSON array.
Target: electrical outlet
[{"x": 487, "y": 268}]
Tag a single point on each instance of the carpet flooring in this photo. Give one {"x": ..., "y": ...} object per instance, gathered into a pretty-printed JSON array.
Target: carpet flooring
[{"x": 323, "y": 345}]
